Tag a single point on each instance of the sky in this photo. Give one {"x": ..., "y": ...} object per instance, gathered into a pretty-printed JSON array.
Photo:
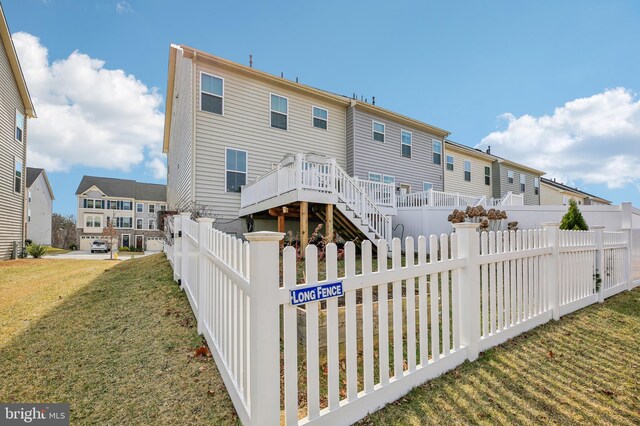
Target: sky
[{"x": 550, "y": 84}]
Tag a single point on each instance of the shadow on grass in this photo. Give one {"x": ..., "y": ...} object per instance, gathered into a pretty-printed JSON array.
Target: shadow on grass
[
  {"x": 584, "y": 369},
  {"x": 120, "y": 352}
]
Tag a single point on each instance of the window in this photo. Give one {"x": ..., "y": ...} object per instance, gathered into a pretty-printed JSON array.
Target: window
[
  {"x": 405, "y": 139},
  {"x": 29, "y": 215},
  {"x": 449, "y": 163},
  {"x": 139, "y": 224},
  {"x": 536, "y": 186},
  {"x": 437, "y": 151},
  {"x": 427, "y": 186},
  {"x": 152, "y": 224},
  {"x": 98, "y": 204},
  {"x": 123, "y": 222},
  {"x": 211, "y": 93},
  {"x": 279, "y": 111},
  {"x": 522, "y": 181},
  {"x": 378, "y": 131},
  {"x": 97, "y": 221},
  {"x": 320, "y": 117},
  {"x": 29, "y": 196},
  {"x": 388, "y": 179},
  {"x": 236, "y": 171},
  {"x": 565, "y": 200},
  {"x": 152, "y": 208},
  {"x": 376, "y": 177},
  {"x": 88, "y": 222},
  {"x": 510, "y": 176},
  {"x": 19, "y": 126},
  {"x": 163, "y": 207},
  {"x": 126, "y": 205},
  {"x": 467, "y": 170},
  {"x": 17, "y": 183},
  {"x": 405, "y": 188},
  {"x": 139, "y": 207},
  {"x": 487, "y": 175}
]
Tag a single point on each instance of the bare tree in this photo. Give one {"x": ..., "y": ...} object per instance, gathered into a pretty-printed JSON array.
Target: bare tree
[
  {"x": 110, "y": 233},
  {"x": 63, "y": 231}
]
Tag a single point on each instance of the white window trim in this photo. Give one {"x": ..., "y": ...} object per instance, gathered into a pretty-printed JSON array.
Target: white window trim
[
  {"x": 313, "y": 116},
  {"x": 375, "y": 174},
  {"x": 384, "y": 131},
  {"x": 141, "y": 224},
  {"x": 433, "y": 151},
  {"x": 406, "y": 185},
  {"x": 226, "y": 149},
  {"x": 465, "y": 171},
  {"x": 447, "y": 162},
  {"x": 149, "y": 208},
  {"x": 410, "y": 145},
  {"x": 510, "y": 175},
  {"x": 29, "y": 194},
  {"x": 15, "y": 122},
  {"x": 278, "y": 112},
  {"x": 149, "y": 226},
  {"x": 389, "y": 176},
  {"x": 423, "y": 190},
  {"x": 211, "y": 94},
  {"x": 142, "y": 209}
]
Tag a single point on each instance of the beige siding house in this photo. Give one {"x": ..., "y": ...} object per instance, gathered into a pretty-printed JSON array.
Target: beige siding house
[
  {"x": 467, "y": 170},
  {"x": 15, "y": 108},
  {"x": 557, "y": 194},
  {"x": 227, "y": 124}
]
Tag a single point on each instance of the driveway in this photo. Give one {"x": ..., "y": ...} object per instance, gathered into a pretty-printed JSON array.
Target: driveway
[{"x": 87, "y": 255}]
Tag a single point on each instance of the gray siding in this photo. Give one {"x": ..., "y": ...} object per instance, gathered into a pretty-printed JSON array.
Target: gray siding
[
  {"x": 179, "y": 158},
  {"x": 386, "y": 158},
  {"x": 245, "y": 126},
  {"x": 501, "y": 173},
  {"x": 350, "y": 144},
  {"x": 40, "y": 206},
  {"x": 12, "y": 217}
]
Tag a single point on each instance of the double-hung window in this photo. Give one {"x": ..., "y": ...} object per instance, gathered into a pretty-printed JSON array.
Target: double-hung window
[
  {"x": 320, "y": 117},
  {"x": 89, "y": 222},
  {"x": 406, "y": 139},
  {"x": 127, "y": 205},
  {"x": 19, "y": 126},
  {"x": 467, "y": 170},
  {"x": 487, "y": 175},
  {"x": 510, "y": 176},
  {"x": 536, "y": 186},
  {"x": 17, "y": 181},
  {"x": 437, "y": 151},
  {"x": 449, "y": 163},
  {"x": 522, "y": 182},
  {"x": 388, "y": 179},
  {"x": 139, "y": 223},
  {"x": 211, "y": 93},
  {"x": 236, "y": 169},
  {"x": 378, "y": 131},
  {"x": 152, "y": 208},
  {"x": 97, "y": 221},
  {"x": 427, "y": 186},
  {"x": 279, "y": 111},
  {"x": 139, "y": 207},
  {"x": 152, "y": 224}
]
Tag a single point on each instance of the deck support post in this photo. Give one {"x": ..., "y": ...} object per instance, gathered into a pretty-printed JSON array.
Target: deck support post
[
  {"x": 281, "y": 227},
  {"x": 304, "y": 226},
  {"x": 329, "y": 219}
]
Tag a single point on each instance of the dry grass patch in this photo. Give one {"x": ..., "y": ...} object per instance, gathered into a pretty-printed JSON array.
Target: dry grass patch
[{"x": 119, "y": 350}]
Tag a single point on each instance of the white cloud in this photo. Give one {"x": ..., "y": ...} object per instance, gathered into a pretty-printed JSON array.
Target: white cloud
[
  {"x": 87, "y": 114},
  {"x": 593, "y": 140},
  {"x": 157, "y": 167},
  {"x": 123, "y": 7}
]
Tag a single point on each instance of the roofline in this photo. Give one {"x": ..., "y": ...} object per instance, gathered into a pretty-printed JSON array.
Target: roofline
[
  {"x": 470, "y": 150},
  {"x": 46, "y": 180},
  {"x": 5, "y": 34},
  {"x": 199, "y": 55},
  {"x": 555, "y": 184},
  {"x": 373, "y": 109},
  {"x": 521, "y": 166}
]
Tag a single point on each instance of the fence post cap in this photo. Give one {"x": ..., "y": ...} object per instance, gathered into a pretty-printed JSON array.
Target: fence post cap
[
  {"x": 264, "y": 236},
  {"x": 550, "y": 224},
  {"x": 465, "y": 225},
  {"x": 205, "y": 220},
  {"x": 596, "y": 227}
]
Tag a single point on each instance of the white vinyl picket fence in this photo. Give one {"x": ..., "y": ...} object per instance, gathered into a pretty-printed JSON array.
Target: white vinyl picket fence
[{"x": 406, "y": 315}]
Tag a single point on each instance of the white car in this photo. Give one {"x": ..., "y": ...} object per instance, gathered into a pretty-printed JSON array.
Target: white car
[{"x": 99, "y": 246}]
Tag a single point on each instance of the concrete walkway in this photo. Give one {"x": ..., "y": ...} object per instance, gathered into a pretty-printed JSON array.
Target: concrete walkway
[{"x": 87, "y": 255}]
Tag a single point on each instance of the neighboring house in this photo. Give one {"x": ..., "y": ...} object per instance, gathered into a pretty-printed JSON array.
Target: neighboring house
[
  {"x": 509, "y": 176},
  {"x": 39, "y": 206},
  {"x": 467, "y": 170},
  {"x": 132, "y": 206},
  {"x": 227, "y": 125},
  {"x": 384, "y": 146},
  {"x": 15, "y": 108},
  {"x": 557, "y": 194}
]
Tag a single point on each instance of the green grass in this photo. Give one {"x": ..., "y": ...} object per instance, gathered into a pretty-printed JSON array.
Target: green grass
[
  {"x": 118, "y": 345},
  {"x": 54, "y": 250}
]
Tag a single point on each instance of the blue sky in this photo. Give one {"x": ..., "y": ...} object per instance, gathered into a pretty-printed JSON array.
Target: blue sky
[{"x": 565, "y": 73}]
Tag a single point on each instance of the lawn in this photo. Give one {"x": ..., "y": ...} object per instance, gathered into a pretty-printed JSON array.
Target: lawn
[{"x": 116, "y": 340}]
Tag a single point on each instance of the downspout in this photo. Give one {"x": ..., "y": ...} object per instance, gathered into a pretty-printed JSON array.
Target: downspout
[{"x": 194, "y": 112}]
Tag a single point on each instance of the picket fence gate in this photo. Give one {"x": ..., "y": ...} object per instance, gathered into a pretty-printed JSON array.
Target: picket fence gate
[{"x": 401, "y": 324}]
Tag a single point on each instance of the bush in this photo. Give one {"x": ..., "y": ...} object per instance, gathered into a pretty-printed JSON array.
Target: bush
[
  {"x": 36, "y": 250},
  {"x": 573, "y": 220},
  {"x": 123, "y": 248},
  {"x": 73, "y": 246}
]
